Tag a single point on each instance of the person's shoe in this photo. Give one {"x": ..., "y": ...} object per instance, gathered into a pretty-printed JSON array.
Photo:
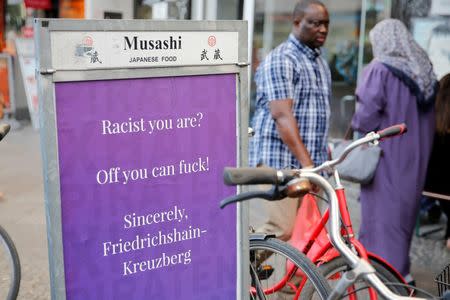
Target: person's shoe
[
  {"x": 412, "y": 284},
  {"x": 410, "y": 280}
]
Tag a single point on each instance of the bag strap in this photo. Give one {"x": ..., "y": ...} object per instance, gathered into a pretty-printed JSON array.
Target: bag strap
[{"x": 349, "y": 132}]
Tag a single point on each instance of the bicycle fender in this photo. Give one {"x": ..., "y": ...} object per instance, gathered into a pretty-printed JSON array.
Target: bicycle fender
[{"x": 260, "y": 236}]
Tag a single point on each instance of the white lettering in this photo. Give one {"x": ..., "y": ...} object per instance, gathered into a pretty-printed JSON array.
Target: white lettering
[{"x": 129, "y": 126}]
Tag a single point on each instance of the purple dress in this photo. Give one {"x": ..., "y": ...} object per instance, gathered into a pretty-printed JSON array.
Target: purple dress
[{"x": 389, "y": 205}]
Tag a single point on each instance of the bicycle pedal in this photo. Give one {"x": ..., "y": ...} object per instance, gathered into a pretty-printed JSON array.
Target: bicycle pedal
[{"x": 264, "y": 272}]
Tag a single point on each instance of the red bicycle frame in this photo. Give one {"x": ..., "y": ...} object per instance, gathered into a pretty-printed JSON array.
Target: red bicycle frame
[{"x": 319, "y": 256}]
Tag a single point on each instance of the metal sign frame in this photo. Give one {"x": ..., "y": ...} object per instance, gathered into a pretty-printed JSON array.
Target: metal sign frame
[{"x": 47, "y": 76}]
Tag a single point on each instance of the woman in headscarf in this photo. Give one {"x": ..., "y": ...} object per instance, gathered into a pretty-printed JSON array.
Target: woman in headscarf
[{"x": 398, "y": 86}]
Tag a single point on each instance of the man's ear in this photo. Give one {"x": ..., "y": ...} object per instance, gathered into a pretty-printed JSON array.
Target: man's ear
[{"x": 296, "y": 21}]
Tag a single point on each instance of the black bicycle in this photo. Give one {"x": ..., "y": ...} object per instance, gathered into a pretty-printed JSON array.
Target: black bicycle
[{"x": 9, "y": 258}]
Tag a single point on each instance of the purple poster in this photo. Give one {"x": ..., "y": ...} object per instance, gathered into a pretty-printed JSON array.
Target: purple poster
[{"x": 141, "y": 164}]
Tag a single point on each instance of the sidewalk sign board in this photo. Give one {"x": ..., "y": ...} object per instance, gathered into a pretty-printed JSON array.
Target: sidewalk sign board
[
  {"x": 433, "y": 35},
  {"x": 27, "y": 62},
  {"x": 138, "y": 119}
]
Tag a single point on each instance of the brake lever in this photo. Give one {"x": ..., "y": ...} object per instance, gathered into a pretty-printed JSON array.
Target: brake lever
[
  {"x": 273, "y": 194},
  {"x": 277, "y": 192}
]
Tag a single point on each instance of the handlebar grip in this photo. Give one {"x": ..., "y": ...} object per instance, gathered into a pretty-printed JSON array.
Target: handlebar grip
[
  {"x": 262, "y": 175},
  {"x": 391, "y": 131},
  {"x": 247, "y": 176},
  {"x": 4, "y": 129}
]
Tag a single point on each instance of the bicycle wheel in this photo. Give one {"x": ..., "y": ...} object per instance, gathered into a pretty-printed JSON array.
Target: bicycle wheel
[
  {"x": 332, "y": 272},
  {"x": 9, "y": 267},
  {"x": 279, "y": 271}
]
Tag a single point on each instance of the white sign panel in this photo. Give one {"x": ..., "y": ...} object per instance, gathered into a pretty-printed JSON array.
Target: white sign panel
[
  {"x": 160, "y": 11},
  {"x": 433, "y": 34},
  {"x": 100, "y": 50},
  {"x": 439, "y": 52},
  {"x": 422, "y": 29},
  {"x": 440, "y": 7},
  {"x": 26, "y": 56}
]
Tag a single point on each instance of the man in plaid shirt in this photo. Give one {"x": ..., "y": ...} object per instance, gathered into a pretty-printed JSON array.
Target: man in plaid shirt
[{"x": 292, "y": 107}]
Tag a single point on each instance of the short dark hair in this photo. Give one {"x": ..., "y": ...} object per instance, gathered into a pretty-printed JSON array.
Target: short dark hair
[{"x": 302, "y": 5}]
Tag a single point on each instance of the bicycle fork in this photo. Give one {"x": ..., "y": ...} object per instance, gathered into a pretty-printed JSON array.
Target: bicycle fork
[{"x": 349, "y": 278}]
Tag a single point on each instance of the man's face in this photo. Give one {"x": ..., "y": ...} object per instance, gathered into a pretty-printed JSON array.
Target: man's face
[{"x": 312, "y": 29}]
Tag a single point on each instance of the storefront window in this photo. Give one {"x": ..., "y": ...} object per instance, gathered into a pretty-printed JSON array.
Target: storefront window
[{"x": 273, "y": 23}]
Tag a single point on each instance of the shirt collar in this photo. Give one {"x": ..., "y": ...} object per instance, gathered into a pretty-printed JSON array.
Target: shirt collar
[{"x": 310, "y": 53}]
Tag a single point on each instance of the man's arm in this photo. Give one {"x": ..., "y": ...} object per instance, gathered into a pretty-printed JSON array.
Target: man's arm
[{"x": 287, "y": 127}]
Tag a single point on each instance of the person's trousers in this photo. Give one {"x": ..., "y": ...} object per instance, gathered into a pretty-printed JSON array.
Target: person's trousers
[{"x": 279, "y": 216}]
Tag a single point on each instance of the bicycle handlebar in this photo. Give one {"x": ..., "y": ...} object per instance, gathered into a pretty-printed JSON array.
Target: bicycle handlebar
[
  {"x": 272, "y": 194},
  {"x": 285, "y": 184},
  {"x": 4, "y": 129},
  {"x": 249, "y": 176},
  {"x": 392, "y": 131},
  {"x": 388, "y": 132}
]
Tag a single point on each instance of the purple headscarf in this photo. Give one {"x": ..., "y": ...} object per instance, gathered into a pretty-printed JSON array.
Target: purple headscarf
[{"x": 394, "y": 46}]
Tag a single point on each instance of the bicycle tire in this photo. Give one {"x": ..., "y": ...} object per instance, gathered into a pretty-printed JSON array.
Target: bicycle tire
[
  {"x": 9, "y": 249},
  {"x": 339, "y": 264},
  {"x": 276, "y": 254}
]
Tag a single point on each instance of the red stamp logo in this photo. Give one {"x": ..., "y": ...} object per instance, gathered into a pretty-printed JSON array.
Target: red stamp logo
[
  {"x": 211, "y": 40},
  {"x": 87, "y": 41}
]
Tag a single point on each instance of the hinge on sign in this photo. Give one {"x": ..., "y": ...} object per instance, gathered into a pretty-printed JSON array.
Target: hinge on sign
[
  {"x": 242, "y": 64},
  {"x": 47, "y": 71}
]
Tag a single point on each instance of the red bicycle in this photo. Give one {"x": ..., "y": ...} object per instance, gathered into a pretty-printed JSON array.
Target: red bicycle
[{"x": 325, "y": 255}]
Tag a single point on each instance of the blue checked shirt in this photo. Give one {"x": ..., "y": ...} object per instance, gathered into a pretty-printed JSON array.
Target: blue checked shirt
[{"x": 291, "y": 71}]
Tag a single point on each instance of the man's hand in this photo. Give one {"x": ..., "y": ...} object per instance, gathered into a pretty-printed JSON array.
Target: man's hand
[{"x": 314, "y": 187}]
